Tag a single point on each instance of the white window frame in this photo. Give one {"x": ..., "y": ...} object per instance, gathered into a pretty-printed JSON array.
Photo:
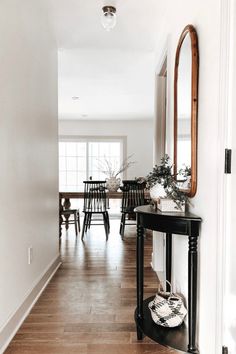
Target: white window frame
[{"x": 91, "y": 138}]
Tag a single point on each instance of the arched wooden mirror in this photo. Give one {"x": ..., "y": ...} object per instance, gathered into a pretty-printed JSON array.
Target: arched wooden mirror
[{"x": 185, "y": 110}]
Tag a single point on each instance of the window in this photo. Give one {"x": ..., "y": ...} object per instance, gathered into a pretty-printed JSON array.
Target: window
[{"x": 78, "y": 160}]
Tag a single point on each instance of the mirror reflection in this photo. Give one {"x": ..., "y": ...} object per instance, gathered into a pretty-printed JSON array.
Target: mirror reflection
[{"x": 184, "y": 112}]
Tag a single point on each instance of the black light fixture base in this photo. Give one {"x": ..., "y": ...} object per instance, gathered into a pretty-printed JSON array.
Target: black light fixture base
[{"x": 111, "y": 9}]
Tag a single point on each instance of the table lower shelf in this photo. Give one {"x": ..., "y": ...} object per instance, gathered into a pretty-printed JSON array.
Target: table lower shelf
[{"x": 176, "y": 338}]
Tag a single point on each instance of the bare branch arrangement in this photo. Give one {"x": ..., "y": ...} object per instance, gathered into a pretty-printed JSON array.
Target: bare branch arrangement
[{"x": 106, "y": 166}]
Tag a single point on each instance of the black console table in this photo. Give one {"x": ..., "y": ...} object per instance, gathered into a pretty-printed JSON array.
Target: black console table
[{"x": 182, "y": 338}]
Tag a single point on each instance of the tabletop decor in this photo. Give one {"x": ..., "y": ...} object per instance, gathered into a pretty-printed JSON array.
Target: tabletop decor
[
  {"x": 112, "y": 171},
  {"x": 164, "y": 189},
  {"x": 186, "y": 173}
]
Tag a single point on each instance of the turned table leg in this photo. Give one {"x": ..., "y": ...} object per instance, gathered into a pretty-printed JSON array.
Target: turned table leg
[
  {"x": 140, "y": 264},
  {"x": 192, "y": 293},
  {"x": 67, "y": 206},
  {"x": 168, "y": 259},
  {"x": 60, "y": 216}
]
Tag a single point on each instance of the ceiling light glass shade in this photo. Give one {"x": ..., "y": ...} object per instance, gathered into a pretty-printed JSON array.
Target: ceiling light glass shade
[{"x": 108, "y": 18}]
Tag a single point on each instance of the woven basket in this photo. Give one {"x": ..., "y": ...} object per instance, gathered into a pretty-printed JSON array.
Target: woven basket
[{"x": 167, "y": 309}]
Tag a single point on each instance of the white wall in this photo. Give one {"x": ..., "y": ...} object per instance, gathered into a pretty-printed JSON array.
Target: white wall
[
  {"x": 139, "y": 135},
  {"x": 205, "y": 16},
  {"x": 28, "y": 151}
]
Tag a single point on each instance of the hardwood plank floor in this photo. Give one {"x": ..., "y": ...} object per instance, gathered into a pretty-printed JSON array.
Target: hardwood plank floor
[{"x": 88, "y": 306}]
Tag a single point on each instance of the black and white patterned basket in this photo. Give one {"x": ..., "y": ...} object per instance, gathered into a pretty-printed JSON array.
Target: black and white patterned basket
[{"x": 167, "y": 309}]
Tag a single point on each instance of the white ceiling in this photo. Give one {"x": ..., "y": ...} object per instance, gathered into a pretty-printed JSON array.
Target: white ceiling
[{"x": 112, "y": 73}]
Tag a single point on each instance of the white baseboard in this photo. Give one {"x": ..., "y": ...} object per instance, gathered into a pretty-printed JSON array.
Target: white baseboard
[{"x": 11, "y": 327}]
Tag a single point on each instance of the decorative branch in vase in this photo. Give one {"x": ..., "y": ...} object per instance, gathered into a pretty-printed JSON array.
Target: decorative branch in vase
[
  {"x": 186, "y": 173},
  {"x": 112, "y": 171},
  {"x": 164, "y": 189}
]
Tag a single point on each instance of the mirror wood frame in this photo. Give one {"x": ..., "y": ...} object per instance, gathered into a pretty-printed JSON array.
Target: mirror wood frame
[{"x": 189, "y": 29}]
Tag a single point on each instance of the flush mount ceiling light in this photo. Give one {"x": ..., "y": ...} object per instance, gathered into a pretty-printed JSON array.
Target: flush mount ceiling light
[
  {"x": 108, "y": 18},
  {"x": 75, "y": 98}
]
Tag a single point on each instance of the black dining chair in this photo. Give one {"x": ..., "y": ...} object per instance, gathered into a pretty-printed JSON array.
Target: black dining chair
[
  {"x": 95, "y": 202},
  {"x": 67, "y": 213},
  {"x": 132, "y": 196}
]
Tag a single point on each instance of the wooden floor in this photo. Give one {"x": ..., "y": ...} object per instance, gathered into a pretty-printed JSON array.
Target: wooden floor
[{"x": 88, "y": 306}]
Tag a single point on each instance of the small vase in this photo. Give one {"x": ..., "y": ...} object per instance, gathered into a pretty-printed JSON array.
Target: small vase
[
  {"x": 187, "y": 183},
  {"x": 156, "y": 192},
  {"x": 113, "y": 184}
]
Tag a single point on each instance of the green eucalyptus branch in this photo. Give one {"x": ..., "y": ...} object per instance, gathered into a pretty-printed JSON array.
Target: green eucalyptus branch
[
  {"x": 185, "y": 171},
  {"x": 162, "y": 174}
]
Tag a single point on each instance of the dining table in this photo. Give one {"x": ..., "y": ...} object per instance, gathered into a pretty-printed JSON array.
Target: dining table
[{"x": 66, "y": 196}]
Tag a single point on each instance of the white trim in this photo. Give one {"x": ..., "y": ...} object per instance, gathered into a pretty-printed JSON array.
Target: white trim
[
  {"x": 8, "y": 331},
  {"x": 222, "y": 179},
  {"x": 92, "y": 137},
  {"x": 163, "y": 57},
  {"x": 69, "y": 120},
  {"x": 158, "y": 254}
]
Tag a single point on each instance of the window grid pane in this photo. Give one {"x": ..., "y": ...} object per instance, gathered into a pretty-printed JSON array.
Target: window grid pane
[{"x": 80, "y": 160}]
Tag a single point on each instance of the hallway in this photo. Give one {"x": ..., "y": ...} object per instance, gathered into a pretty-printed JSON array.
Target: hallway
[{"x": 88, "y": 306}]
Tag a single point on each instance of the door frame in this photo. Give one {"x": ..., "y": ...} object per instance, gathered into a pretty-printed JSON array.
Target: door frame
[
  {"x": 227, "y": 52},
  {"x": 159, "y": 148}
]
